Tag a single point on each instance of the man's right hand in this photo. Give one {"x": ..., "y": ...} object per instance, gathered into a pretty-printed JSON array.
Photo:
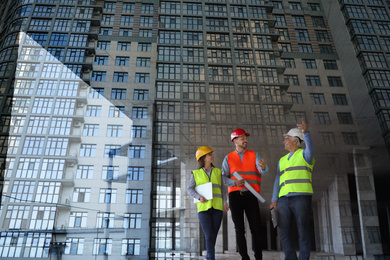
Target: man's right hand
[
  {"x": 239, "y": 183},
  {"x": 273, "y": 205}
]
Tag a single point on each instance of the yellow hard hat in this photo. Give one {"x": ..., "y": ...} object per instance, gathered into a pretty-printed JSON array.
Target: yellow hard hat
[{"x": 203, "y": 150}]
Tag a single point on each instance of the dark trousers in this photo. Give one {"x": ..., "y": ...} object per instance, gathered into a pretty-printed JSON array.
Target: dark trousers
[
  {"x": 298, "y": 207},
  {"x": 239, "y": 203},
  {"x": 210, "y": 221}
]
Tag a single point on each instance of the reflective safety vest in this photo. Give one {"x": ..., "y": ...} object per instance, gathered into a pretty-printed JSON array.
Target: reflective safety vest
[
  {"x": 295, "y": 174},
  {"x": 201, "y": 177},
  {"x": 246, "y": 168}
]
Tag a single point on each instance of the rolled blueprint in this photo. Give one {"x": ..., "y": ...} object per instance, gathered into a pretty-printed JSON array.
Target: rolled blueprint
[{"x": 249, "y": 187}]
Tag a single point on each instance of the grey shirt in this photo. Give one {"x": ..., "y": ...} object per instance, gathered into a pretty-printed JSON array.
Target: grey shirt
[{"x": 191, "y": 187}]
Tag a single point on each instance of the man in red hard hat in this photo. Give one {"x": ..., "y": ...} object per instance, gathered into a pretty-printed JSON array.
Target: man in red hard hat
[{"x": 250, "y": 166}]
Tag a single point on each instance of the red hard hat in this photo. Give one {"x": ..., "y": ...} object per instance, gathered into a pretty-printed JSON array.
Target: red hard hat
[{"x": 238, "y": 132}]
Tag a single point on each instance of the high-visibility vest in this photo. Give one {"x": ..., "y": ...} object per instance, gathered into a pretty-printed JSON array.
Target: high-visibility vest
[
  {"x": 246, "y": 168},
  {"x": 295, "y": 174},
  {"x": 201, "y": 177}
]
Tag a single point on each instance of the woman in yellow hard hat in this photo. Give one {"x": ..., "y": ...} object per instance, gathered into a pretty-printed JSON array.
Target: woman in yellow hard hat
[{"x": 209, "y": 211}]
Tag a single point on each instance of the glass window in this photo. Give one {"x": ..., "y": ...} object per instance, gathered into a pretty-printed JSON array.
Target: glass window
[
  {"x": 145, "y": 33},
  {"x": 340, "y": 99},
  {"x": 138, "y": 131},
  {"x": 135, "y": 173},
  {"x": 124, "y": 46},
  {"x": 283, "y": 34},
  {"x": 96, "y": 93},
  {"x": 302, "y": 35},
  {"x": 345, "y": 118},
  {"x": 326, "y": 137},
  {"x": 127, "y": 20},
  {"x": 143, "y": 62},
  {"x": 110, "y": 172},
  {"x": 309, "y": 64},
  {"x": 74, "y": 246},
  {"x": 102, "y": 246},
  {"x": 105, "y": 31},
  {"x": 134, "y": 196},
  {"x": 84, "y": 172},
  {"x": 277, "y": 5},
  {"x": 58, "y": 39},
  {"x": 109, "y": 7},
  {"x": 107, "y": 19},
  {"x": 330, "y": 65},
  {"x": 136, "y": 151},
  {"x": 318, "y": 21},
  {"x": 87, "y": 150},
  {"x": 90, "y": 130},
  {"x": 322, "y": 118},
  {"x": 131, "y": 246},
  {"x": 313, "y": 80},
  {"x": 146, "y": 47},
  {"x": 132, "y": 220},
  {"x": 374, "y": 235},
  {"x": 147, "y": 8},
  {"x": 93, "y": 111},
  {"x": 125, "y": 32},
  {"x": 142, "y": 77},
  {"x": 117, "y": 93},
  {"x": 295, "y": 5},
  {"x": 103, "y": 45},
  {"x": 44, "y": 10},
  {"x": 114, "y": 130},
  {"x": 280, "y": 19},
  {"x": 317, "y": 98},
  {"x": 322, "y": 36},
  {"x": 101, "y": 60},
  {"x": 335, "y": 81},
  {"x": 139, "y": 112},
  {"x": 291, "y": 79},
  {"x": 98, "y": 76},
  {"x": 288, "y": 62},
  {"x": 314, "y": 6},
  {"x": 299, "y": 20},
  {"x": 140, "y": 94},
  {"x": 107, "y": 196},
  {"x": 128, "y": 7},
  {"x": 350, "y": 138},
  {"x": 305, "y": 48},
  {"x": 116, "y": 111},
  {"x": 120, "y": 77},
  {"x": 296, "y": 98}
]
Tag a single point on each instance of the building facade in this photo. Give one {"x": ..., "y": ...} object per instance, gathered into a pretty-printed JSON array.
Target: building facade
[{"x": 104, "y": 103}]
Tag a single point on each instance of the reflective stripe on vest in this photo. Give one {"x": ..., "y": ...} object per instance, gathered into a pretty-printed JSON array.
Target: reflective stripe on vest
[
  {"x": 246, "y": 168},
  {"x": 201, "y": 177},
  {"x": 295, "y": 174}
]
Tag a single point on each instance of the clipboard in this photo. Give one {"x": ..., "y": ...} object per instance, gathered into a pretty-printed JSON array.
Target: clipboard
[
  {"x": 205, "y": 190},
  {"x": 274, "y": 217}
]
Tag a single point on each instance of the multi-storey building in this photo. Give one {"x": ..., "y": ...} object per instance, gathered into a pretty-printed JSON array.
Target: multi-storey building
[{"x": 104, "y": 103}]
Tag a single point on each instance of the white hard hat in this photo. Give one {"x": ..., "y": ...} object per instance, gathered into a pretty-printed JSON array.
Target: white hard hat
[{"x": 296, "y": 132}]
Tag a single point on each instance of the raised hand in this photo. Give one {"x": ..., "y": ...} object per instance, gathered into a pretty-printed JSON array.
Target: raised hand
[{"x": 302, "y": 126}]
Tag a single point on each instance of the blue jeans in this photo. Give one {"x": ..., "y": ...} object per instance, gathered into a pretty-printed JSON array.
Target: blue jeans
[
  {"x": 298, "y": 207},
  {"x": 247, "y": 203},
  {"x": 210, "y": 222}
]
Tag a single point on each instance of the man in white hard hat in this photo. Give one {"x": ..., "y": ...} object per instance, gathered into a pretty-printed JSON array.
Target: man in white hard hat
[{"x": 293, "y": 191}]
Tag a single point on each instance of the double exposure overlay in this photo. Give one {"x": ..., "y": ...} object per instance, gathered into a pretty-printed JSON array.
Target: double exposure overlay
[{"x": 104, "y": 104}]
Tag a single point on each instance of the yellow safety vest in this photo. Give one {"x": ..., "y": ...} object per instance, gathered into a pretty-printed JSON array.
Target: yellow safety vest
[
  {"x": 201, "y": 177},
  {"x": 295, "y": 174}
]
